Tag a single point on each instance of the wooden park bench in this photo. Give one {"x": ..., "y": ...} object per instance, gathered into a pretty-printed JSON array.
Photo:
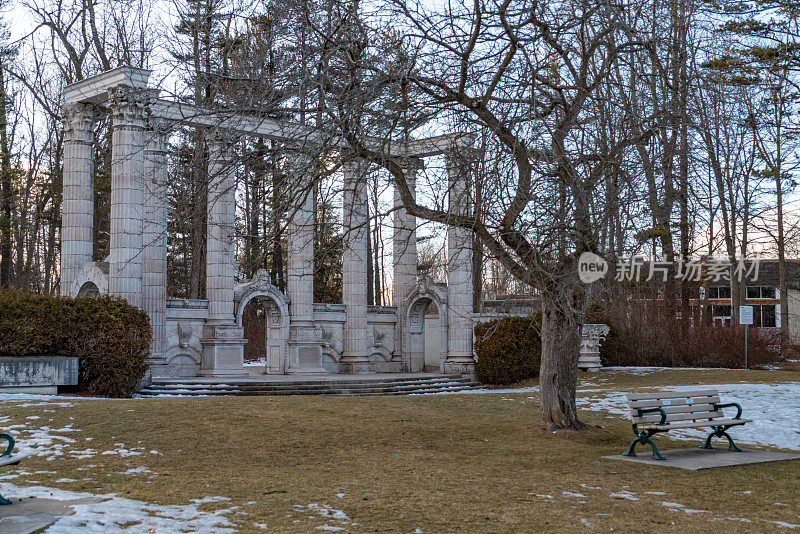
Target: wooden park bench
[
  {"x": 7, "y": 458},
  {"x": 663, "y": 411}
]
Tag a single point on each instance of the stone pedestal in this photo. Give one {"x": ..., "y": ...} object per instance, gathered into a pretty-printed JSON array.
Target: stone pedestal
[
  {"x": 591, "y": 337},
  {"x": 404, "y": 262},
  {"x": 355, "y": 214},
  {"x": 77, "y": 208},
  {"x": 223, "y": 350},
  {"x": 305, "y": 340},
  {"x": 460, "y": 359}
]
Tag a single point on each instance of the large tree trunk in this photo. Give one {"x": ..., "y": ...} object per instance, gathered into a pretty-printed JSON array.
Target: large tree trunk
[
  {"x": 6, "y": 192},
  {"x": 558, "y": 372}
]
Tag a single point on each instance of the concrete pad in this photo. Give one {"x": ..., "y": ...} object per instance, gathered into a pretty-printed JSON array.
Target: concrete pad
[
  {"x": 24, "y": 516},
  {"x": 696, "y": 458}
]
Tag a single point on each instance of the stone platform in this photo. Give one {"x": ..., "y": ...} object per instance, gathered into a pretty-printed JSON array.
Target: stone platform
[
  {"x": 25, "y": 516},
  {"x": 337, "y": 384},
  {"x": 696, "y": 458}
]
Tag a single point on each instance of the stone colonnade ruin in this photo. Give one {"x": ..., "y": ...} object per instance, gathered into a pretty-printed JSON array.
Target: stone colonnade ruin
[{"x": 194, "y": 337}]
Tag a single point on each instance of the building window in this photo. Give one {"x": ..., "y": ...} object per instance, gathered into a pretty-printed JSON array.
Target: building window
[
  {"x": 764, "y": 316},
  {"x": 761, "y": 292},
  {"x": 719, "y": 292},
  {"x": 721, "y": 311}
]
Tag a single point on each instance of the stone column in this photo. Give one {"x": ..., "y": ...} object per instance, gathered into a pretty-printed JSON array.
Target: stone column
[
  {"x": 128, "y": 108},
  {"x": 355, "y": 212},
  {"x": 154, "y": 236},
  {"x": 460, "y": 359},
  {"x": 223, "y": 342},
  {"x": 305, "y": 346},
  {"x": 77, "y": 208},
  {"x": 404, "y": 261}
]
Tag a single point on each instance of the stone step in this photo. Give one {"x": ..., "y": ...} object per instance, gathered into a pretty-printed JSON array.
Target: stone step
[
  {"x": 396, "y": 386},
  {"x": 310, "y": 387}
]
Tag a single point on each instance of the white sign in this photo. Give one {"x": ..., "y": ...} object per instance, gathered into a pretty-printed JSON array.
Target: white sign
[{"x": 745, "y": 315}]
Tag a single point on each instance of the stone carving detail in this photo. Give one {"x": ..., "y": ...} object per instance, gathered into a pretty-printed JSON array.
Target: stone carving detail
[
  {"x": 185, "y": 335},
  {"x": 129, "y": 104},
  {"x": 331, "y": 344},
  {"x": 382, "y": 342},
  {"x": 591, "y": 337},
  {"x": 79, "y": 121}
]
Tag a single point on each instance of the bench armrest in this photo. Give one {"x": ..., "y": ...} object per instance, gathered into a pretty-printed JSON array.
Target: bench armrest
[
  {"x": 717, "y": 406},
  {"x": 643, "y": 411},
  {"x": 10, "y": 439}
]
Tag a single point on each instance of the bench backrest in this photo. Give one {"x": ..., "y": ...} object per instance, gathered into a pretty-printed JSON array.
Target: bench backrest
[{"x": 678, "y": 405}]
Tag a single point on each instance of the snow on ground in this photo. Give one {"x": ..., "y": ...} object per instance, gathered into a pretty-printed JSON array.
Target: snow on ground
[
  {"x": 772, "y": 407},
  {"x": 118, "y": 514}
]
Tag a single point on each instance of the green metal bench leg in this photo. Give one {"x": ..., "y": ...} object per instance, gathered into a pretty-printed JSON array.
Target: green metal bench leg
[
  {"x": 10, "y": 439},
  {"x": 718, "y": 432},
  {"x": 7, "y": 452},
  {"x": 643, "y": 438}
]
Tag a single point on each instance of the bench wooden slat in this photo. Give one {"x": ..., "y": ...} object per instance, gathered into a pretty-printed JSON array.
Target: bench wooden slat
[
  {"x": 672, "y": 394},
  {"x": 681, "y": 408},
  {"x": 696, "y": 416},
  {"x": 689, "y": 424},
  {"x": 663, "y": 403}
]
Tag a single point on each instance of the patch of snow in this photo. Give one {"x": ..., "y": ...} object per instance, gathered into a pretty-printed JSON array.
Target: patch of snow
[
  {"x": 624, "y": 495},
  {"x": 541, "y": 495},
  {"x": 136, "y": 471},
  {"x": 114, "y": 514},
  {"x": 329, "y": 528},
  {"x": 572, "y": 494},
  {"x": 585, "y": 522}
]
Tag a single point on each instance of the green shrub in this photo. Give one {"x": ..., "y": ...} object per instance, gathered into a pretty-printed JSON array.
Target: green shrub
[
  {"x": 509, "y": 350},
  {"x": 111, "y": 337}
]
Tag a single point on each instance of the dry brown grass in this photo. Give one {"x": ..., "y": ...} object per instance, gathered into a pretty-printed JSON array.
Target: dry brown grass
[{"x": 468, "y": 463}]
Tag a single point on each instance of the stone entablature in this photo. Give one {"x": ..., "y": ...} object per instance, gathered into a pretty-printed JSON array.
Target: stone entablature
[{"x": 206, "y": 337}]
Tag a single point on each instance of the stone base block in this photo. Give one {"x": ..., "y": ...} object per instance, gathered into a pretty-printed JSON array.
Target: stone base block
[
  {"x": 223, "y": 351},
  {"x": 37, "y": 390},
  {"x": 463, "y": 367},
  {"x": 356, "y": 366},
  {"x": 305, "y": 358}
]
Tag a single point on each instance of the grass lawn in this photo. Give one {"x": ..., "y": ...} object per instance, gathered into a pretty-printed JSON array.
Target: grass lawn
[{"x": 477, "y": 463}]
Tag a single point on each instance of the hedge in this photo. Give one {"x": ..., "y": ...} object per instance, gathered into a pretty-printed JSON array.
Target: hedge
[
  {"x": 109, "y": 336},
  {"x": 509, "y": 350}
]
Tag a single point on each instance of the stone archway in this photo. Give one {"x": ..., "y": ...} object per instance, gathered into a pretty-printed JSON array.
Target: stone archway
[
  {"x": 90, "y": 290},
  {"x": 90, "y": 281},
  {"x": 416, "y": 305},
  {"x": 277, "y": 317}
]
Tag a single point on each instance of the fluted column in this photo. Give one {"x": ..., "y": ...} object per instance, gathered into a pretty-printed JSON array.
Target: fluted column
[
  {"x": 129, "y": 109},
  {"x": 77, "y": 207},
  {"x": 154, "y": 231},
  {"x": 459, "y": 279},
  {"x": 355, "y": 212},
  {"x": 305, "y": 343},
  {"x": 300, "y": 249},
  {"x": 220, "y": 245},
  {"x": 223, "y": 342},
  {"x": 404, "y": 261}
]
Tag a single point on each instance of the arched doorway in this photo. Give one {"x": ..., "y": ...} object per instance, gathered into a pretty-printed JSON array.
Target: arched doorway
[
  {"x": 261, "y": 320},
  {"x": 89, "y": 289},
  {"x": 267, "y": 325},
  {"x": 425, "y": 328}
]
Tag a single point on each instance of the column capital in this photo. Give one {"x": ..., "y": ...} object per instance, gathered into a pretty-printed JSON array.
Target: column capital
[
  {"x": 78, "y": 119},
  {"x": 129, "y": 106},
  {"x": 157, "y": 130},
  {"x": 219, "y": 141}
]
